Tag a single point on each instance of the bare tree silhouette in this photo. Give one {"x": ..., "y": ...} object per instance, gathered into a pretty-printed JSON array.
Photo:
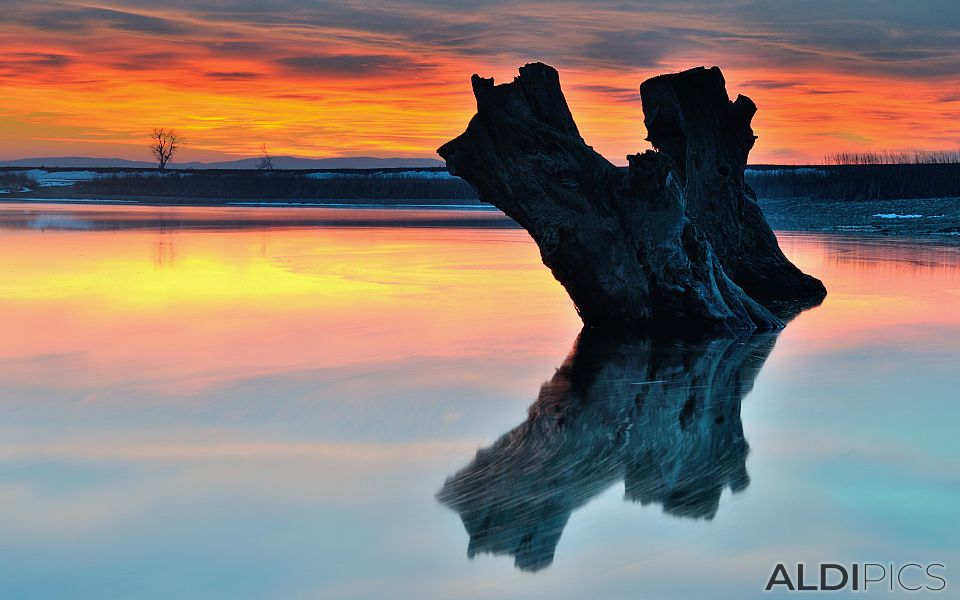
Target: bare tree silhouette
[
  {"x": 164, "y": 142},
  {"x": 266, "y": 161}
]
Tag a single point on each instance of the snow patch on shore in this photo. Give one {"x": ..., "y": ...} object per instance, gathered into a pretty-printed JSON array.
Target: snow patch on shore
[
  {"x": 46, "y": 178},
  {"x": 59, "y": 178},
  {"x": 899, "y": 216}
]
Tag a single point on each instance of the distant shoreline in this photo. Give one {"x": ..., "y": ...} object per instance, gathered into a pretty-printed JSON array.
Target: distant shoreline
[
  {"x": 932, "y": 219},
  {"x": 435, "y": 185},
  {"x": 106, "y": 200}
]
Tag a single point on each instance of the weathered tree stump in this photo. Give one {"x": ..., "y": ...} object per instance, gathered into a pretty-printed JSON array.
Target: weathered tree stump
[{"x": 675, "y": 243}]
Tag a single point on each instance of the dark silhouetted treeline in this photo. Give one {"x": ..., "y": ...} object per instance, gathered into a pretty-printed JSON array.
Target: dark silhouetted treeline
[
  {"x": 857, "y": 181},
  {"x": 281, "y": 185},
  {"x": 888, "y": 157},
  {"x": 889, "y": 176}
]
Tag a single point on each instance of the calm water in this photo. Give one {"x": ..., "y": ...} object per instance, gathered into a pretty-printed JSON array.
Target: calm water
[{"x": 253, "y": 403}]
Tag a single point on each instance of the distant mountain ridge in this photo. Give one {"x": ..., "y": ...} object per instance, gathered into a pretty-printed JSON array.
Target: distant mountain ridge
[{"x": 279, "y": 162}]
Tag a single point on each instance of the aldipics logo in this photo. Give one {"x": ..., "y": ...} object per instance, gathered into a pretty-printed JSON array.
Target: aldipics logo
[{"x": 858, "y": 577}]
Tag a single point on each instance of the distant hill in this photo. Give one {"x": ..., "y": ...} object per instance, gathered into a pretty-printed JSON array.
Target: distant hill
[{"x": 279, "y": 162}]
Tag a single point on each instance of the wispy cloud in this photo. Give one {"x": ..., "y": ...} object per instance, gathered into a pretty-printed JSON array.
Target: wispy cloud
[
  {"x": 357, "y": 65},
  {"x": 231, "y": 75},
  {"x": 70, "y": 19}
]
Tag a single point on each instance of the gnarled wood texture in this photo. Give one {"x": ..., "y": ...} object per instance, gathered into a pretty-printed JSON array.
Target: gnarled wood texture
[{"x": 670, "y": 244}]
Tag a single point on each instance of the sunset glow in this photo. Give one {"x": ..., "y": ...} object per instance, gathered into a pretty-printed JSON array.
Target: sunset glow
[{"x": 392, "y": 79}]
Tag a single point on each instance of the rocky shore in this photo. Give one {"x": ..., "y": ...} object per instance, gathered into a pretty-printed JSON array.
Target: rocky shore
[{"x": 931, "y": 218}]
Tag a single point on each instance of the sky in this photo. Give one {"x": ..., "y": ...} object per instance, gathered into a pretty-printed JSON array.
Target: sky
[{"x": 391, "y": 78}]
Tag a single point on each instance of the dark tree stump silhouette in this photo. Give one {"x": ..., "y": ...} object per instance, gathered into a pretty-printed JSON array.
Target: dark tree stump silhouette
[
  {"x": 690, "y": 118},
  {"x": 673, "y": 243}
]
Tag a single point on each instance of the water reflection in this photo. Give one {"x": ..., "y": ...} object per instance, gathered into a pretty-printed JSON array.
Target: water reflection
[
  {"x": 98, "y": 217},
  {"x": 661, "y": 416},
  {"x": 168, "y": 397}
]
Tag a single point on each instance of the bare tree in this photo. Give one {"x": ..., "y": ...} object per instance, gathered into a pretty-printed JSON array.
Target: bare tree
[
  {"x": 266, "y": 161},
  {"x": 164, "y": 142}
]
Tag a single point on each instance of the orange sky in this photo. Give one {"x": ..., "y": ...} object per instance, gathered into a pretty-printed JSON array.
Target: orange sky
[{"x": 322, "y": 79}]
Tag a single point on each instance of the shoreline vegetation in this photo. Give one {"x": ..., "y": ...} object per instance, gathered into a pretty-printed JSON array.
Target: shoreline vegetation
[
  {"x": 895, "y": 198},
  {"x": 842, "y": 181}
]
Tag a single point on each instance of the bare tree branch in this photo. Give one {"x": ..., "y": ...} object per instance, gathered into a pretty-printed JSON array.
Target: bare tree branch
[
  {"x": 266, "y": 161},
  {"x": 164, "y": 142}
]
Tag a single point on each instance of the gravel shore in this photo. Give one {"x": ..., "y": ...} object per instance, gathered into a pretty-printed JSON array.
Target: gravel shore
[{"x": 933, "y": 218}]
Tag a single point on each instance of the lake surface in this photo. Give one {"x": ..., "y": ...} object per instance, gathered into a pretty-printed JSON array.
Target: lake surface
[{"x": 289, "y": 403}]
